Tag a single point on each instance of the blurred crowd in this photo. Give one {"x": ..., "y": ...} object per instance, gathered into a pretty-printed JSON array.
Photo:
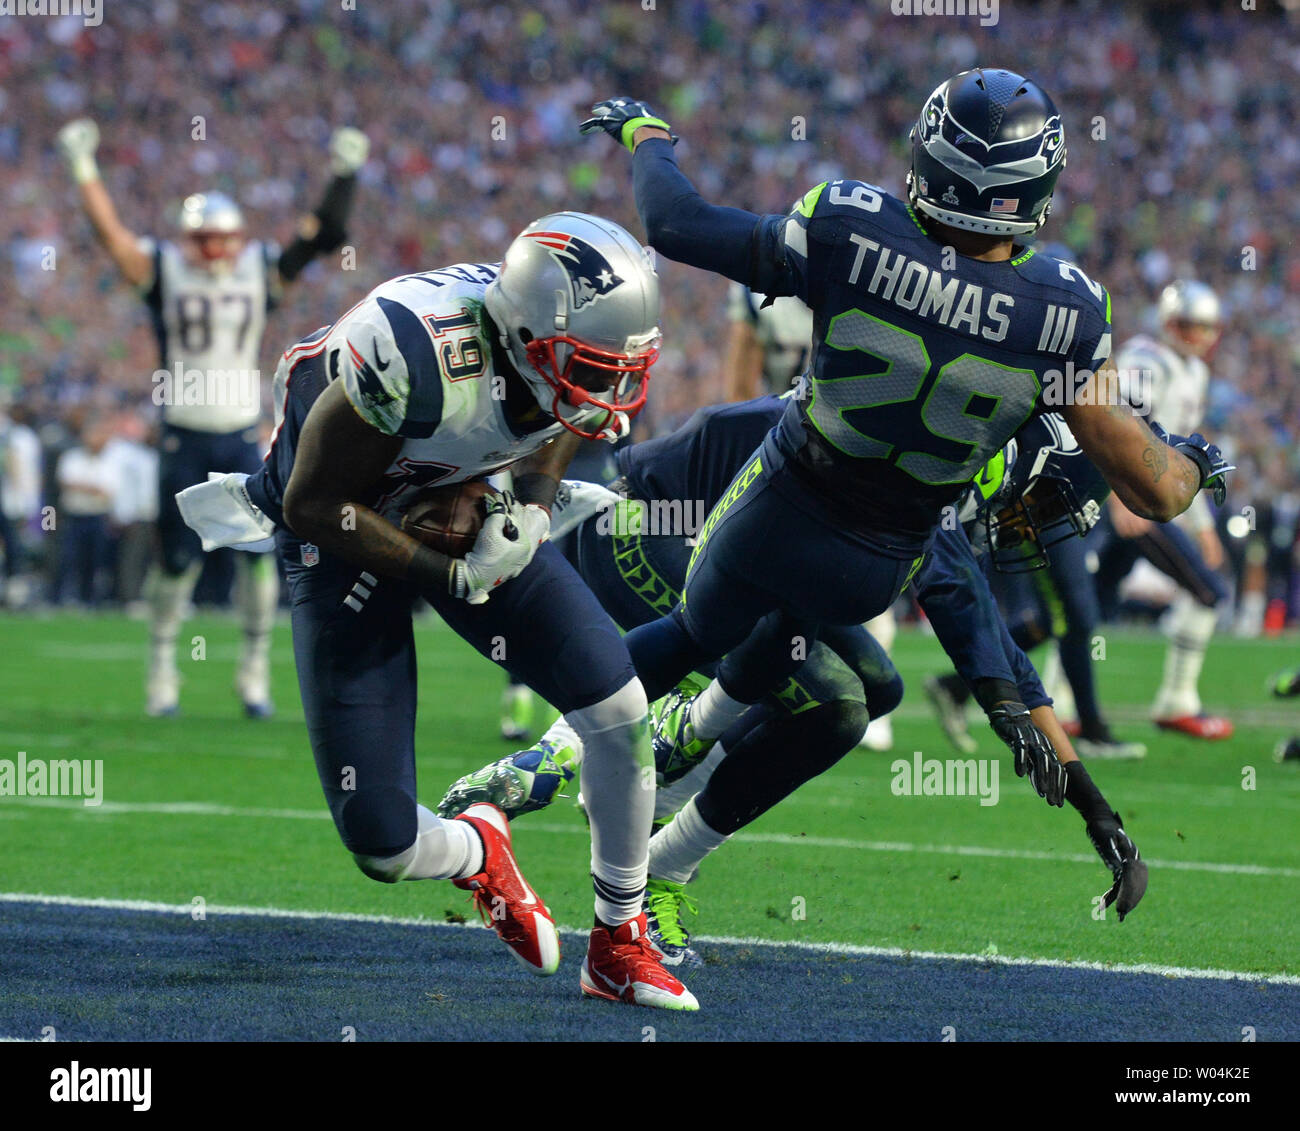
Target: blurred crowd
[{"x": 1184, "y": 158}]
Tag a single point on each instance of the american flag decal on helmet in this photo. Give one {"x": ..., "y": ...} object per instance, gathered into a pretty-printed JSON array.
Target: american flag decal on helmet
[{"x": 590, "y": 275}]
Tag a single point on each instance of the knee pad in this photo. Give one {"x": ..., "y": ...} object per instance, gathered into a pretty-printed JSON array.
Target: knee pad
[
  {"x": 386, "y": 869},
  {"x": 845, "y": 720},
  {"x": 884, "y": 697},
  {"x": 377, "y": 825},
  {"x": 627, "y": 707}
]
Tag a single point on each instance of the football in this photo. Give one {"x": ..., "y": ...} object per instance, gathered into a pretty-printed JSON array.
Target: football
[{"x": 449, "y": 518}]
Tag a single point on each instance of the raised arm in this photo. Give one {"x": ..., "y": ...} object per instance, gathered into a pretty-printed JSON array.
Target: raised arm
[
  {"x": 77, "y": 143},
  {"x": 679, "y": 222},
  {"x": 324, "y": 230}
]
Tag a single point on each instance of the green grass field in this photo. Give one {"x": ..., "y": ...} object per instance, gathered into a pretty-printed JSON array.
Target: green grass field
[{"x": 210, "y": 805}]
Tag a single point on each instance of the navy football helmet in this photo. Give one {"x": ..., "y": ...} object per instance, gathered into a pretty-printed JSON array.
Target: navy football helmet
[
  {"x": 986, "y": 153},
  {"x": 1048, "y": 491}
]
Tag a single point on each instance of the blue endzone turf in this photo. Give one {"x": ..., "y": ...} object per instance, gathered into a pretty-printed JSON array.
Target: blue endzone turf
[{"x": 108, "y": 974}]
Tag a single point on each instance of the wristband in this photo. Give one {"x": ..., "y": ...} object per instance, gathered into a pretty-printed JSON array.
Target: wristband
[
  {"x": 990, "y": 692},
  {"x": 1083, "y": 794},
  {"x": 430, "y": 569},
  {"x": 84, "y": 168},
  {"x": 1198, "y": 457}
]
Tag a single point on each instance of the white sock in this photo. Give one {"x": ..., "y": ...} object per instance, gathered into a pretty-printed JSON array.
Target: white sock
[
  {"x": 677, "y": 851},
  {"x": 714, "y": 711},
  {"x": 1191, "y": 625},
  {"x": 672, "y": 797},
  {"x": 883, "y": 628},
  {"x": 1056, "y": 685},
  {"x": 443, "y": 850},
  {"x": 618, "y": 792},
  {"x": 563, "y": 737},
  {"x": 1250, "y": 615},
  {"x": 168, "y": 596}
]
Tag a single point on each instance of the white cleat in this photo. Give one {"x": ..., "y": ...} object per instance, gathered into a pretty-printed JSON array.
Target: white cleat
[
  {"x": 162, "y": 693},
  {"x": 253, "y": 683},
  {"x": 879, "y": 735}
]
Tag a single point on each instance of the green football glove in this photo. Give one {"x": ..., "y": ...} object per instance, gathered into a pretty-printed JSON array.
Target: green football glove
[{"x": 621, "y": 118}]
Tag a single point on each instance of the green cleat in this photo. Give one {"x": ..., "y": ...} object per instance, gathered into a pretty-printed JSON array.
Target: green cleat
[
  {"x": 664, "y": 903},
  {"x": 1285, "y": 684},
  {"x": 516, "y": 712},
  {"x": 521, "y": 783},
  {"x": 676, "y": 749}
]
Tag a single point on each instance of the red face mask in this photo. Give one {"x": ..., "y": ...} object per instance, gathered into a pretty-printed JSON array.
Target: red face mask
[
  {"x": 1200, "y": 339},
  {"x": 214, "y": 247},
  {"x": 586, "y": 365}
]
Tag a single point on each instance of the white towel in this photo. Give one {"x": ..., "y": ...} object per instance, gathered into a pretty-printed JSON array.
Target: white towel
[
  {"x": 221, "y": 514},
  {"x": 575, "y": 502}
]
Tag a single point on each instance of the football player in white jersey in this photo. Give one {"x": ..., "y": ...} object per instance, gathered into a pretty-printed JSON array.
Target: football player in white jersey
[
  {"x": 768, "y": 345},
  {"x": 1168, "y": 380},
  {"x": 444, "y": 377},
  {"x": 768, "y": 348},
  {"x": 208, "y": 294}
]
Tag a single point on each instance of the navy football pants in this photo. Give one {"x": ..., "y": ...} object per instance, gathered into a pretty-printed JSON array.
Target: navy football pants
[
  {"x": 185, "y": 458},
  {"x": 355, "y": 651}
]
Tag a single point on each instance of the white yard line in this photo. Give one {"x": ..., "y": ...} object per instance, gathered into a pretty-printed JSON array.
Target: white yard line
[
  {"x": 211, "y": 909},
  {"x": 208, "y": 809}
]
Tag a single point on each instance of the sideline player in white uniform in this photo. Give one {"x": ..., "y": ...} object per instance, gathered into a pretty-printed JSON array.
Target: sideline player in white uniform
[
  {"x": 768, "y": 348},
  {"x": 1168, "y": 380},
  {"x": 208, "y": 295}
]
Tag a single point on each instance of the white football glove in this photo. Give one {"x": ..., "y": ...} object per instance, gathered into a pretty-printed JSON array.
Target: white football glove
[
  {"x": 348, "y": 151},
  {"x": 505, "y": 545},
  {"x": 77, "y": 142}
]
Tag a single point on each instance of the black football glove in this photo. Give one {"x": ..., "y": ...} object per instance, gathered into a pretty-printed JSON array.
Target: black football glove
[
  {"x": 1207, "y": 457},
  {"x": 1034, "y": 753},
  {"x": 1121, "y": 856},
  {"x": 621, "y": 118}
]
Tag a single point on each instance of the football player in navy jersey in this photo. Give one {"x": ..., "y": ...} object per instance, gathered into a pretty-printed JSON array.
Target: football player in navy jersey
[
  {"x": 635, "y": 563},
  {"x": 935, "y": 338},
  {"x": 208, "y": 295},
  {"x": 444, "y": 377}
]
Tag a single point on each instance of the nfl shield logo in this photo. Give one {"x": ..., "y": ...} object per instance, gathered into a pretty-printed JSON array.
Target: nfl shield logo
[{"x": 310, "y": 554}]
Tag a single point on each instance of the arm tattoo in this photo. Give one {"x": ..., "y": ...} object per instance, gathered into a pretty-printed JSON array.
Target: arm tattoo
[{"x": 1156, "y": 457}]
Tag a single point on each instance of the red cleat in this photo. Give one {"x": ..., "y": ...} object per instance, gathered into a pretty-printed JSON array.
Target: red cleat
[
  {"x": 1072, "y": 727},
  {"x": 622, "y": 965},
  {"x": 1210, "y": 727},
  {"x": 504, "y": 899}
]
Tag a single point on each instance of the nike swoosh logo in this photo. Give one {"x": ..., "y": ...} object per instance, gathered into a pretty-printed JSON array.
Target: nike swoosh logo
[
  {"x": 381, "y": 364},
  {"x": 529, "y": 898}
]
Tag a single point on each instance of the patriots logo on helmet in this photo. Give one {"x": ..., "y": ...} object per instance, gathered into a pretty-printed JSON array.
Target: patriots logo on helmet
[{"x": 590, "y": 275}]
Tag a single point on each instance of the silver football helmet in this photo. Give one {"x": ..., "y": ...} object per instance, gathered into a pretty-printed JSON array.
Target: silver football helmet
[
  {"x": 210, "y": 212},
  {"x": 1191, "y": 317},
  {"x": 577, "y": 308},
  {"x": 215, "y": 226}
]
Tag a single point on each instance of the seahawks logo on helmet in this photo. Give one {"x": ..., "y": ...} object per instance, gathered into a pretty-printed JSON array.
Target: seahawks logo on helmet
[{"x": 590, "y": 275}]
